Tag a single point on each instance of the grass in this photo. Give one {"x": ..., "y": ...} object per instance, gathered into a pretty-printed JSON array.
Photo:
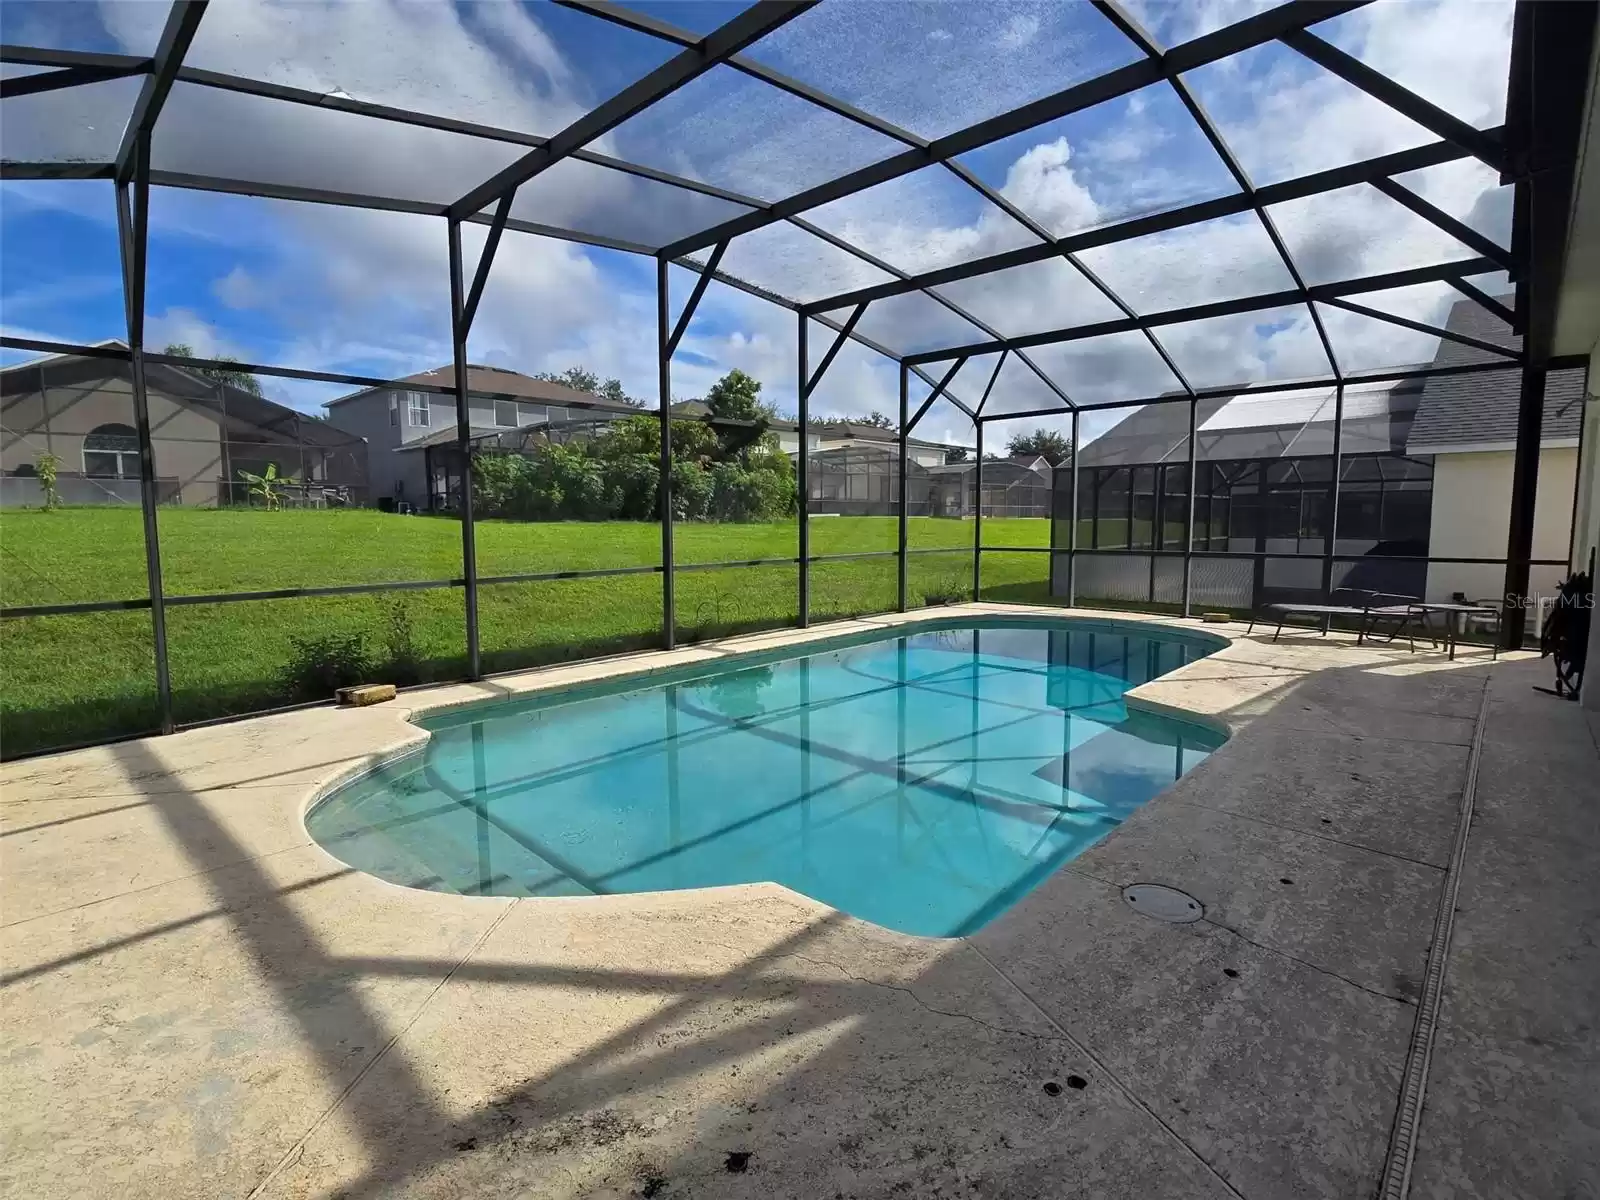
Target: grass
[{"x": 75, "y": 678}]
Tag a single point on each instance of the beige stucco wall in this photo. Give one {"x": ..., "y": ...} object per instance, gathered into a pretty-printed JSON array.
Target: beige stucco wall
[
  {"x": 1471, "y": 509},
  {"x": 188, "y": 444}
]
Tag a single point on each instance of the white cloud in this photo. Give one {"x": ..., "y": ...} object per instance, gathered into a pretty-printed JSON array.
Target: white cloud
[
  {"x": 1041, "y": 184},
  {"x": 1019, "y": 32},
  {"x": 345, "y": 288}
]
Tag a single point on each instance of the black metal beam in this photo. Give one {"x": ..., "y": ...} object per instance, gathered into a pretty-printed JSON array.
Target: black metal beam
[
  {"x": 810, "y": 384},
  {"x": 700, "y": 286},
  {"x": 480, "y": 277},
  {"x": 57, "y": 170},
  {"x": 49, "y": 81},
  {"x": 50, "y": 56},
  {"x": 938, "y": 391},
  {"x": 1219, "y": 308},
  {"x": 1474, "y": 141},
  {"x": 905, "y": 433},
  {"x": 639, "y": 22},
  {"x": 728, "y": 39},
  {"x": 1241, "y": 178},
  {"x": 1546, "y": 100},
  {"x": 1442, "y": 220},
  {"x": 1449, "y": 335},
  {"x": 803, "y": 472},
  {"x": 1253, "y": 31},
  {"x": 1472, "y": 292},
  {"x": 644, "y": 23},
  {"x": 669, "y": 596},
  {"x": 990, "y": 386},
  {"x": 943, "y": 301},
  {"x": 1256, "y": 389},
  {"x": 458, "y": 347},
  {"x": 1190, "y": 214},
  {"x": 183, "y": 19},
  {"x": 977, "y": 512},
  {"x": 133, "y": 224}
]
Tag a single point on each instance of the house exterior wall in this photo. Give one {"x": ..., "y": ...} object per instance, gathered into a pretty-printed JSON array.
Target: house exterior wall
[
  {"x": 403, "y": 476},
  {"x": 57, "y": 415},
  {"x": 1471, "y": 511}
]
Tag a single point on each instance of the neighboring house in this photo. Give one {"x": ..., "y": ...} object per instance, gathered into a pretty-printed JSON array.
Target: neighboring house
[
  {"x": 848, "y": 435},
  {"x": 203, "y": 434},
  {"x": 1468, "y": 424},
  {"x": 1015, "y": 486},
  {"x": 411, "y": 434}
]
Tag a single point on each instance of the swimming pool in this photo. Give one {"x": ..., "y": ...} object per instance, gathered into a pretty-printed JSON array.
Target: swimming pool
[{"x": 925, "y": 781}]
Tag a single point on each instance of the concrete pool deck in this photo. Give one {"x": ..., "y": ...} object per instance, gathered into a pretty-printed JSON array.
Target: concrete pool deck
[{"x": 200, "y": 1002}]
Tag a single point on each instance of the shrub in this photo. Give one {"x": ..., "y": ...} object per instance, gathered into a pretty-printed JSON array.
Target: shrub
[
  {"x": 321, "y": 665},
  {"x": 46, "y": 468},
  {"x": 691, "y": 491},
  {"x": 404, "y": 664}
]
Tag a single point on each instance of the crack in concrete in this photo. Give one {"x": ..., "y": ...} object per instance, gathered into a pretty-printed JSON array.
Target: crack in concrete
[
  {"x": 1215, "y": 924},
  {"x": 1311, "y": 833},
  {"x": 296, "y": 1152}
]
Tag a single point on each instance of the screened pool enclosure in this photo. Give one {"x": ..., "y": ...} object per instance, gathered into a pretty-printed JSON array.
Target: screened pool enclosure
[{"x": 1234, "y": 255}]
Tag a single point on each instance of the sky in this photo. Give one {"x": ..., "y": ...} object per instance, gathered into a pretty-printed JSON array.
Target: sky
[{"x": 346, "y": 289}]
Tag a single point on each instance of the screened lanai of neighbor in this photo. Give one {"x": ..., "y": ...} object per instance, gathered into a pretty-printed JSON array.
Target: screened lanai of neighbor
[{"x": 276, "y": 274}]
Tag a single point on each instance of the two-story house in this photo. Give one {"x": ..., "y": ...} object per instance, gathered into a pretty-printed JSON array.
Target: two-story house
[{"x": 410, "y": 433}]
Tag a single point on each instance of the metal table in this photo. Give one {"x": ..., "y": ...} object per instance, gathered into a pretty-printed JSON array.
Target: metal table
[{"x": 1453, "y": 614}]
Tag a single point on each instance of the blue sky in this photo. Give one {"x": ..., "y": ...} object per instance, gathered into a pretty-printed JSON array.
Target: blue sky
[{"x": 345, "y": 289}]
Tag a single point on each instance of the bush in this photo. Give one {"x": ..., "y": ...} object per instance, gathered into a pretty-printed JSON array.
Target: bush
[
  {"x": 404, "y": 664},
  {"x": 633, "y": 484},
  {"x": 691, "y": 491},
  {"x": 321, "y": 665}
]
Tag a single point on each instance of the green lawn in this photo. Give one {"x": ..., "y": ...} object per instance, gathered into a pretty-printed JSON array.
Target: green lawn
[{"x": 68, "y": 679}]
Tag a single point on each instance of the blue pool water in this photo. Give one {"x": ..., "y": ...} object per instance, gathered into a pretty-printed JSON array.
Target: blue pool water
[{"x": 923, "y": 782}]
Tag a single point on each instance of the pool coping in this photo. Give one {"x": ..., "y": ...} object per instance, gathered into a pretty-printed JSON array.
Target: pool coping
[{"x": 730, "y": 654}]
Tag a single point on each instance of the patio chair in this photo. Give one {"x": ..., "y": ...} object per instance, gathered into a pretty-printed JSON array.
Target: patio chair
[{"x": 1365, "y": 607}]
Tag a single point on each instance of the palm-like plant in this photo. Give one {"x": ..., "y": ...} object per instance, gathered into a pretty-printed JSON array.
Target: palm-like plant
[{"x": 268, "y": 486}]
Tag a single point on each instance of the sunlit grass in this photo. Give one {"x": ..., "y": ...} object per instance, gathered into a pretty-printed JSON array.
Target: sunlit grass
[{"x": 68, "y": 679}]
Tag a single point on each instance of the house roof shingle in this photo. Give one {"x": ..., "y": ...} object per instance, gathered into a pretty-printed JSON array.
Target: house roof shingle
[
  {"x": 500, "y": 382},
  {"x": 1461, "y": 412}
]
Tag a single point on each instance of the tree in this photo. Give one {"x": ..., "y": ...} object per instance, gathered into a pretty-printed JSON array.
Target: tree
[
  {"x": 737, "y": 397},
  {"x": 1053, "y": 447},
  {"x": 876, "y": 419},
  {"x": 582, "y": 379},
  {"x": 956, "y": 454},
  {"x": 242, "y": 380}
]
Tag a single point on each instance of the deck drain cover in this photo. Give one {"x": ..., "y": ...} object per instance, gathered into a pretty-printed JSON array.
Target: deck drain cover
[{"x": 1163, "y": 903}]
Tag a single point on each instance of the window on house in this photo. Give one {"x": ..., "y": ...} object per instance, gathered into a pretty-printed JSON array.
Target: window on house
[
  {"x": 505, "y": 412},
  {"x": 417, "y": 410},
  {"x": 527, "y": 414},
  {"x": 111, "y": 452},
  {"x": 394, "y": 409}
]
